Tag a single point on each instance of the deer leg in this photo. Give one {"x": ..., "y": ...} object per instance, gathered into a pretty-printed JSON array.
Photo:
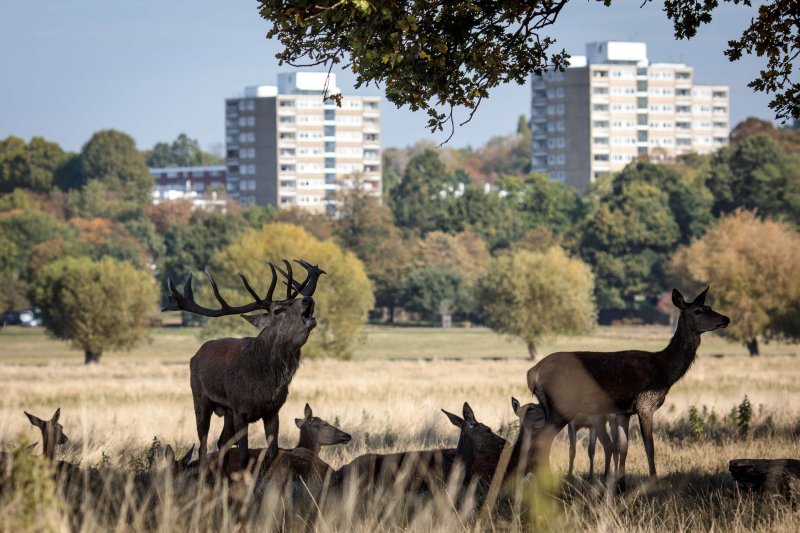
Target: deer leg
[
  {"x": 622, "y": 444},
  {"x": 271, "y": 426},
  {"x": 646, "y": 425},
  {"x": 240, "y": 426},
  {"x": 592, "y": 446},
  {"x": 571, "y": 432},
  {"x": 228, "y": 433},
  {"x": 606, "y": 441},
  {"x": 202, "y": 413}
]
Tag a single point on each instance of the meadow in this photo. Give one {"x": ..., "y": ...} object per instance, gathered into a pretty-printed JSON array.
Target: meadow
[{"x": 389, "y": 396}]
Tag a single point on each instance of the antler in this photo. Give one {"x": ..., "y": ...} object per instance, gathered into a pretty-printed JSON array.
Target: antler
[
  {"x": 186, "y": 302},
  {"x": 308, "y": 286}
]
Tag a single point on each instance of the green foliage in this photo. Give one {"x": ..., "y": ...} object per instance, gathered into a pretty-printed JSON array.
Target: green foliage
[
  {"x": 757, "y": 173},
  {"x": 750, "y": 264},
  {"x": 695, "y": 422},
  {"x": 29, "y": 166},
  {"x": 366, "y": 227},
  {"x": 421, "y": 201},
  {"x": 533, "y": 295},
  {"x": 95, "y": 305},
  {"x": 115, "y": 180},
  {"x": 439, "y": 55},
  {"x": 744, "y": 415},
  {"x": 434, "y": 290},
  {"x": 26, "y": 229},
  {"x": 343, "y": 296},
  {"x": 548, "y": 203},
  {"x": 183, "y": 152}
]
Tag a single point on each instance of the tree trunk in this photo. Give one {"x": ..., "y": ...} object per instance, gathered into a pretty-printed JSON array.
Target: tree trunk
[
  {"x": 92, "y": 357},
  {"x": 752, "y": 346},
  {"x": 532, "y": 352}
]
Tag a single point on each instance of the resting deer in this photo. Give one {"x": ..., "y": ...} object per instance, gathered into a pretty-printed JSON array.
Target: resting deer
[
  {"x": 314, "y": 433},
  {"x": 52, "y": 433},
  {"x": 596, "y": 424},
  {"x": 421, "y": 469},
  {"x": 248, "y": 379},
  {"x": 620, "y": 383}
]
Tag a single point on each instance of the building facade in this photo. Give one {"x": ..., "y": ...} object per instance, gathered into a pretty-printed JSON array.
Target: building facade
[
  {"x": 613, "y": 106},
  {"x": 203, "y": 185},
  {"x": 286, "y": 146}
]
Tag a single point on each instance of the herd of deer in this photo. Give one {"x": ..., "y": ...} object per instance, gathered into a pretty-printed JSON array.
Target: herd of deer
[{"x": 246, "y": 380}]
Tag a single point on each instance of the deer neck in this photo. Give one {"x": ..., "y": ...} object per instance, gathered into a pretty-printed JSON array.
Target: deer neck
[
  {"x": 48, "y": 445},
  {"x": 681, "y": 351},
  {"x": 309, "y": 441},
  {"x": 272, "y": 354},
  {"x": 465, "y": 451}
]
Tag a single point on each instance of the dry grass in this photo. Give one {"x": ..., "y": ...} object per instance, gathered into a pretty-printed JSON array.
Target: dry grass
[{"x": 116, "y": 408}]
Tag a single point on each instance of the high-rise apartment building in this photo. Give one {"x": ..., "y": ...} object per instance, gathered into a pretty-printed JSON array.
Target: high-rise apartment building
[
  {"x": 612, "y": 106},
  {"x": 286, "y": 146}
]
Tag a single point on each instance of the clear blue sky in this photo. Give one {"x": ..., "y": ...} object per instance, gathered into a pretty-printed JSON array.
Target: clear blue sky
[{"x": 156, "y": 68}]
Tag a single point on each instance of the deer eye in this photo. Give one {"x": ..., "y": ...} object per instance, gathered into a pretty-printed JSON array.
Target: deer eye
[
  {"x": 698, "y": 311},
  {"x": 279, "y": 311}
]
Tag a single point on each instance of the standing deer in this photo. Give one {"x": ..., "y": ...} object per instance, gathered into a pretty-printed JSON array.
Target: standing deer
[
  {"x": 621, "y": 383},
  {"x": 248, "y": 379},
  {"x": 596, "y": 424}
]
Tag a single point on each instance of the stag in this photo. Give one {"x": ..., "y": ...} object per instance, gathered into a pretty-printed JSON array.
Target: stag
[
  {"x": 620, "y": 383},
  {"x": 596, "y": 424},
  {"x": 247, "y": 379},
  {"x": 421, "y": 469}
]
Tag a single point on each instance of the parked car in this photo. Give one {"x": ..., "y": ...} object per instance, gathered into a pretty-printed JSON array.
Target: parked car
[
  {"x": 11, "y": 318},
  {"x": 30, "y": 318}
]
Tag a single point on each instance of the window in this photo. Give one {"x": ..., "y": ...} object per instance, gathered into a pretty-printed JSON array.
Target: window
[
  {"x": 600, "y": 107},
  {"x": 720, "y": 94},
  {"x": 330, "y": 146},
  {"x": 330, "y": 178},
  {"x": 330, "y": 131},
  {"x": 600, "y": 90},
  {"x": 330, "y": 114},
  {"x": 601, "y": 157},
  {"x": 330, "y": 162}
]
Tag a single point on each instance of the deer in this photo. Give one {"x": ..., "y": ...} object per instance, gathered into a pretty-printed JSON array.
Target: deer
[
  {"x": 619, "y": 383},
  {"x": 314, "y": 433},
  {"x": 52, "y": 433},
  {"x": 422, "y": 469},
  {"x": 596, "y": 424},
  {"x": 247, "y": 379}
]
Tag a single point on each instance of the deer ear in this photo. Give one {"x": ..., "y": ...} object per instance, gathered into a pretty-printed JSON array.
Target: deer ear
[
  {"x": 454, "y": 419},
  {"x": 187, "y": 458},
  {"x": 35, "y": 420},
  {"x": 469, "y": 416},
  {"x": 307, "y": 411},
  {"x": 255, "y": 320},
  {"x": 299, "y": 422},
  {"x": 56, "y": 415},
  {"x": 677, "y": 299},
  {"x": 701, "y": 298},
  {"x": 169, "y": 454},
  {"x": 514, "y": 404}
]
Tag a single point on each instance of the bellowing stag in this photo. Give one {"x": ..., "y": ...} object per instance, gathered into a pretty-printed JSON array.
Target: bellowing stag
[{"x": 247, "y": 379}]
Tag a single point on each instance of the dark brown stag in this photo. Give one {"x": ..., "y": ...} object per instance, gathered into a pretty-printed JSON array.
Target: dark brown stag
[
  {"x": 627, "y": 382},
  {"x": 247, "y": 379}
]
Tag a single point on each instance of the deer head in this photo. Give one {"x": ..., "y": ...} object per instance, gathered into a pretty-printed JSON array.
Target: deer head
[
  {"x": 319, "y": 430},
  {"x": 699, "y": 316},
  {"x": 52, "y": 432},
  {"x": 531, "y": 416},
  {"x": 177, "y": 466},
  {"x": 479, "y": 435},
  {"x": 289, "y": 320}
]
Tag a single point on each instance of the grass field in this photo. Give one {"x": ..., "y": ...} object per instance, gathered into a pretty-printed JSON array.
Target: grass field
[{"x": 389, "y": 398}]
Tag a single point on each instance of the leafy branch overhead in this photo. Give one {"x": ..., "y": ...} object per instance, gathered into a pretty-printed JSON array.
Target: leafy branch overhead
[{"x": 435, "y": 55}]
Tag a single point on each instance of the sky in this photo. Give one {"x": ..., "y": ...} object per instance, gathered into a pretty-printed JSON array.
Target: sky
[{"x": 157, "y": 68}]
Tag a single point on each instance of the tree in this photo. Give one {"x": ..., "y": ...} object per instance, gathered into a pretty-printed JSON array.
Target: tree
[
  {"x": 316, "y": 224},
  {"x": 436, "y": 290},
  {"x": 533, "y": 295},
  {"x": 31, "y": 166},
  {"x": 435, "y": 54},
  {"x": 366, "y": 227},
  {"x": 549, "y": 203},
  {"x": 96, "y": 305},
  {"x": 757, "y": 173},
  {"x": 114, "y": 177},
  {"x": 422, "y": 198},
  {"x": 751, "y": 266},
  {"x": 183, "y": 152},
  {"x": 343, "y": 296}
]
